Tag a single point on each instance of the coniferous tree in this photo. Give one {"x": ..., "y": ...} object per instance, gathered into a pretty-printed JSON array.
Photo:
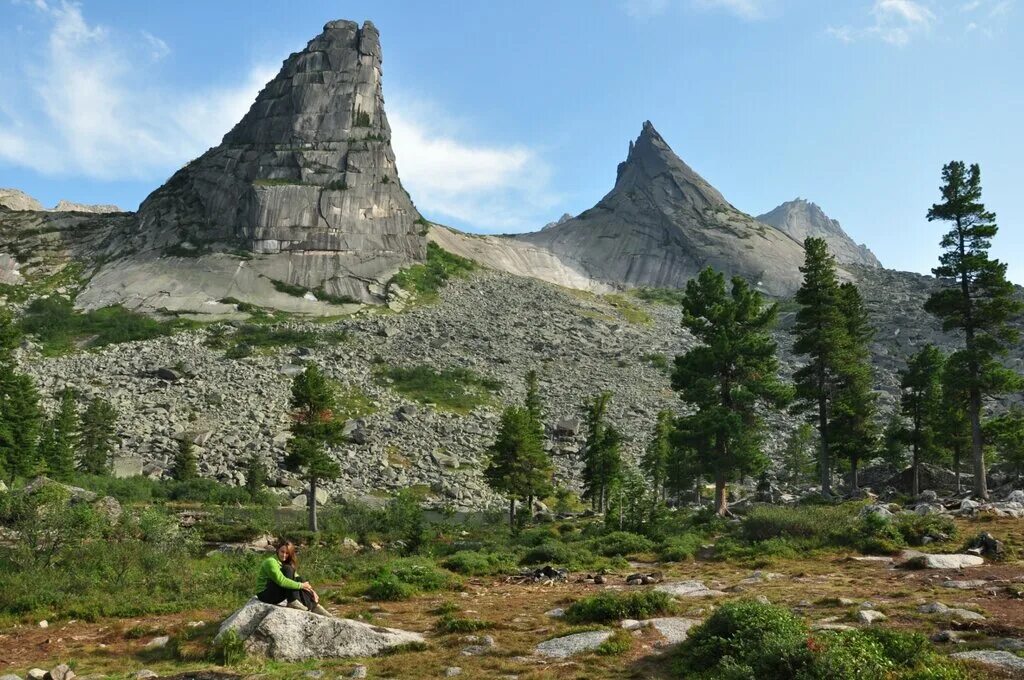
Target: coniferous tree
[
  {"x": 313, "y": 428},
  {"x": 535, "y": 408},
  {"x": 921, "y": 383},
  {"x": 683, "y": 474},
  {"x": 820, "y": 335},
  {"x": 185, "y": 467},
  {"x": 21, "y": 423},
  {"x": 518, "y": 466},
  {"x": 602, "y": 460},
  {"x": 798, "y": 456},
  {"x": 96, "y": 437},
  {"x": 978, "y": 300},
  {"x": 729, "y": 377},
  {"x": 656, "y": 457},
  {"x": 954, "y": 426},
  {"x": 60, "y": 438},
  {"x": 1007, "y": 436},
  {"x": 255, "y": 476},
  {"x": 853, "y": 426},
  {"x": 894, "y": 441}
]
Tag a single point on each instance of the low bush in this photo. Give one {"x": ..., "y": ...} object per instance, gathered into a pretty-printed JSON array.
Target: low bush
[
  {"x": 449, "y": 623},
  {"x": 475, "y": 563},
  {"x": 247, "y": 339},
  {"x": 821, "y": 524},
  {"x": 619, "y": 643},
  {"x": 401, "y": 578},
  {"x": 572, "y": 556},
  {"x": 621, "y": 543},
  {"x": 389, "y": 588},
  {"x": 679, "y": 548},
  {"x": 612, "y": 606},
  {"x": 915, "y": 528}
]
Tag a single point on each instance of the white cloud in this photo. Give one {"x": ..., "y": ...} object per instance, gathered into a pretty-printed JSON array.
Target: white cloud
[
  {"x": 489, "y": 187},
  {"x": 744, "y": 9},
  {"x": 85, "y": 107},
  {"x": 896, "y": 22}
]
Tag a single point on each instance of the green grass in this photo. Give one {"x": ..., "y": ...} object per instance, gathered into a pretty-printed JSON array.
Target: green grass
[
  {"x": 353, "y": 402},
  {"x": 426, "y": 279},
  {"x": 454, "y": 389},
  {"x": 660, "y": 296},
  {"x": 252, "y": 338},
  {"x": 60, "y": 329},
  {"x": 627, "y": 310}
]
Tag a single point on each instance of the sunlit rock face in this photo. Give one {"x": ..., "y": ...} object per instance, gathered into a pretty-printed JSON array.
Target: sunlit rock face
[
  {"x": 307, "y": 176},
  {"x": 662, "y": 223}
]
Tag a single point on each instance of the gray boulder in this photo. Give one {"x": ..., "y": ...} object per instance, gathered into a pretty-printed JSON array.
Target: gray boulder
[
  {"x": 570, "y": 645},
  {"x": 918, "y": 560},
  {"x": 688, "y": 589},
  {"x": 1005, "y": 661},
  {"x": 291, "y": 635}
]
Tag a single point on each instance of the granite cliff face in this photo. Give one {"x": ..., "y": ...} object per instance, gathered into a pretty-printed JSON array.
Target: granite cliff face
[
  {"x": 302, "y": 191},
  {"x": 801, "y": 219},
  {"x": 662, "y": 223}
]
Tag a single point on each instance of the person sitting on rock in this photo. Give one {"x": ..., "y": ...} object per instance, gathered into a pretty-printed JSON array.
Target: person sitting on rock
[{"x": 278, "y": 581}]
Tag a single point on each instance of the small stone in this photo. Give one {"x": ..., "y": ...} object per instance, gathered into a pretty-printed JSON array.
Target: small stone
[
  {"x": 631, "y": 624},
  {"x": 145, "y": 674},
  {"x": 556, "y": 613},
  {"x": 1002, "y": 660},
  {"x": 452, "y": 671},
  {"x": 44, "y": 624},
  {"x": 948, "y": 636},
  {"x": 870, "y": 616},
  {"x": 358, "y": 672},
  {"x": 61, "y": 672},
  {"x": 158, "y": 642},
  {"x": 36, "y": 674}
]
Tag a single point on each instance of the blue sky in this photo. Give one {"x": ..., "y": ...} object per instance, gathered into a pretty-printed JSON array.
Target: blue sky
[{"x": 507, "y": 115}]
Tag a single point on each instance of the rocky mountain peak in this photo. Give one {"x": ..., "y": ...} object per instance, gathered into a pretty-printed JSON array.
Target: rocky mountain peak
[
  {"x": 652, "y": 166},
  {"x": 801, "y": 218},
  {"x": 308, "y": 174}
]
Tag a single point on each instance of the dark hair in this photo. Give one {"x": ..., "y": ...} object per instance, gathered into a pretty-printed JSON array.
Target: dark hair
[{"x": 290, "y": 556}]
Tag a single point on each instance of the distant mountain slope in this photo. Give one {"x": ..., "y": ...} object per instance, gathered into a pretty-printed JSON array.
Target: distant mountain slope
[
  {"x": 662, "y": 223},
  {"x": 799, "y": 218}
]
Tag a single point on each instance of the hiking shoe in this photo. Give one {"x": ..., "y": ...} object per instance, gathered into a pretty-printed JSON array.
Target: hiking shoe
[
  {"x": 295, "y": 604},
  {"x": 319, "y": 609}
]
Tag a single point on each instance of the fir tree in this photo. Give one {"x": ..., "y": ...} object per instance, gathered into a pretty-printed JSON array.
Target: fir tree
[
  {"x": 730, "y": 377},
  {"x": 185, "y": 467},
  {"x": 534, "y": 406},
  {"x": 1007, "y": 436},
  {"x": 60, "y": 439},
  {"x": 820, "y": 335},
  {"x": 894, "y": 441},
  {"x": 602, "y": 459},
  {"x": 977, "y": 299},
  {"x": 853, "y": 428},
  {"x": 518, "y": 465},
  {"x": 313, "y": 428},
  {"x": 656, "y": 458},
  {"x": 953, "y": 423},
  {"x": 255, "y": 476},
  {"x": 21, "y": 423},
  {"x": 683, "y": 474},
  {"x": 96, "y": 438},
  {"x": 921, "y": 383},
  {"x": 798, "y": 456}
]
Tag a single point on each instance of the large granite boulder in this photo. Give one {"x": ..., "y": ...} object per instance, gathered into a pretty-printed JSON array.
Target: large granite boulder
[{"x": 291, "y": 635}]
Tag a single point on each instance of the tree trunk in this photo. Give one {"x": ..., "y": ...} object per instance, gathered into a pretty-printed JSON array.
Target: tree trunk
[
  {"x": 956, "y": 466},
  {"x": 853, "y": 473},
  {"x": 826, "y": 465},
  {"x": 978, "y": 446},
  {"x": 721, "y": 501},
  {"x": 512, "y": 514},
  {"x": 620, "y": 507},
  {"x": 915, "y": 473},
  {"x": 311, "y": 505},
  {"x": 529, "y": 504}
]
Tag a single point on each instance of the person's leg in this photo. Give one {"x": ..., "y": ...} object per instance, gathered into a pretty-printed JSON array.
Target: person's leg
[
  {"x": 301, "y": 595},
  {"x": 273, "y": 594}
]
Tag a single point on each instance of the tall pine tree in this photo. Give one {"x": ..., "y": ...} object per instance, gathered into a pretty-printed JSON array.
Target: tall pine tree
[
  {"x": 60, "y": 439},
  {"x": 730, "y": 377},
  {"x": 977, "y": 299},
  {"x": 518, "y": 467},
  {"x": 954, "y": 424},
  {"x": 96, "y": 437},
  {"x": 853, "y": 429},
  {"x": 602, "y": 458},
  {"x": 656, "y": 457},
  {"x": 820, "y": 336},
  {"x": 313, "y": 428},
  {"x": 921, "y": 383}
]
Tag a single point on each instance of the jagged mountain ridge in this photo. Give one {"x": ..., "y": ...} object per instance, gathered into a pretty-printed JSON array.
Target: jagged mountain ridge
[
  {"x": 662, "y": 223},
  {"x": 800, "y": 219}
]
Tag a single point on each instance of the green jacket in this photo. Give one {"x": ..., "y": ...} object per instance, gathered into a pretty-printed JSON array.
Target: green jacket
[{"x": 270, "y": 572}]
